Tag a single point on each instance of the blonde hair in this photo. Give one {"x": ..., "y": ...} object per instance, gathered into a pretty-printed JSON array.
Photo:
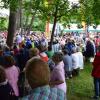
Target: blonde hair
[{"x": 33, "y": 52}]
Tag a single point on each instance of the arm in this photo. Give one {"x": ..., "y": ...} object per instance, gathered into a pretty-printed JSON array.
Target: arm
[
  {"x": 52, "y": 83},
  {"x": 57, "y": 78}
]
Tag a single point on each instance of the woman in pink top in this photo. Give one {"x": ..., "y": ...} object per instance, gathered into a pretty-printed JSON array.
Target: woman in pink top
[
  {"x": 58, "y": 73},
  {"x": 12, "y": 73}
]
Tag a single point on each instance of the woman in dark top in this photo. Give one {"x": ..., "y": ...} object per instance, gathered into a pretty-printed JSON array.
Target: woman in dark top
[{"x": 6, "y": 92}]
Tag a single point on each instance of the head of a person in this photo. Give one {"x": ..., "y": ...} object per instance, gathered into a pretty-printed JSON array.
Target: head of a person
[
  {"x": 42, "y": 48},
  {"x": 57, "y": 57},
  {"x": 2, "y": 75},
  {"x": 37, "y": 73},
  {"x": 8, "y": 61},
  {"x": 74, "y": 50},
  {"x": 33, "y": 52},
  {"x": 78, "y": 49},
  {"x": 65, "y": 51}
]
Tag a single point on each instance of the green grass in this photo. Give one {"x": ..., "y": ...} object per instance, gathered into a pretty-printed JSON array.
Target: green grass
[{"x": 81, "y": 87}]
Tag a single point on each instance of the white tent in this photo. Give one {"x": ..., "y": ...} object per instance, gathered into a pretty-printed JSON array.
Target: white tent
[{"x": 4, "y": 12}]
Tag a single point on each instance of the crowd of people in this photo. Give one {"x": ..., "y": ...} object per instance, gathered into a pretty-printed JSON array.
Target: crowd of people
[{"x": 33, "y": 70}]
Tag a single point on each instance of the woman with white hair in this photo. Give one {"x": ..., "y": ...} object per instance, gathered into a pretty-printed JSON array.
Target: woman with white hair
[
  {"x": 75, "y": 62},
  {"x": 80, "y": 57}
]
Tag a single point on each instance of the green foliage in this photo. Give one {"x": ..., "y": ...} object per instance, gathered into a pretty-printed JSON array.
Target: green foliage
[
  {"x": 96, "y": 11},
  {"x": 3, "y": 24},
  {"x": 89, "y": 10},
  {"x": 13, "y": 4},
  {"x": 86, "y": 10},
  {"x": 49, "y": 8},
  {"x": 39, "y": 25}
]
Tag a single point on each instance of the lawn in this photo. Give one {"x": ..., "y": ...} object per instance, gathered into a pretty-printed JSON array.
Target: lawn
[{"x": 81, "y": 87}]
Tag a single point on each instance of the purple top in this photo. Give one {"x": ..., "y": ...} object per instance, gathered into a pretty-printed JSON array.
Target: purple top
[
  {"x": 58, "y": 73},
  {"x": 12, "y": 74}
]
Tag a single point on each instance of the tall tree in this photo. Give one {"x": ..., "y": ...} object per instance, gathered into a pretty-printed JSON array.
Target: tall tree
[
  {"x": 55, "y": 9},
  {"x": 12, "y": 5},
  {"x": 32, "y": 7},
  {"x": 86, "y": 13},
  {"x": 96, "y": 12}
]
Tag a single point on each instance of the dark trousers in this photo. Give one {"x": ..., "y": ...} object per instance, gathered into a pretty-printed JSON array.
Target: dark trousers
[
  {"x": 97, "y": 86},
  {"x": 75, "y": 72},
  {"x": 68, "y": 73}
]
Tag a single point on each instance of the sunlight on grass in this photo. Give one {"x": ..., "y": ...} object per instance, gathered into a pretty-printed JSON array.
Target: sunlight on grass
[{"x": 81, "y": 87}]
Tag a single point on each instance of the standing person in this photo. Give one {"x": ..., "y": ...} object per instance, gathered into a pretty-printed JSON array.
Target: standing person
[
  {"x": 12, "y": 73},
  {"x": 75, "y": 62},
  {"x": 34, "y": 53},
  {"x": 67, "y": 59},
  {"x": 6, "y": 91},
  {"x": 38, "y": 76},
  {"x": 96, "y": 74},
  {"x": 58, "y": 74},
  {"x": 89, "y": 52},
  {"x": 42, "y": 54},
  {"x": 49, "y": 52},
  {"x": 80, "y": 56}
]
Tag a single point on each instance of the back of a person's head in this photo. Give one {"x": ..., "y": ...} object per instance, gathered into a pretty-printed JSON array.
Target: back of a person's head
[
  {"x": 65, "y": 51},
  {"x": 37, "y": 73},
  {"x": 57, "y": 57},
  {"x": 74, "y": 50},
  {"x": 33, "y": 52},
  {"x": 2, "y": 75},
  {"x": 42, "y": 48},
  {"x": 78, "y": 49},
  {"x": 8, "y": 61}
]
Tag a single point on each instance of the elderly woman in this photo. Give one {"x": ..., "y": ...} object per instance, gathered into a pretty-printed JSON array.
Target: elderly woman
[
  {"x": 38, "y": 76},
  {"x": 58, "y": 74},
  {"x": 6, "y": 91},
  {"x": 12, "y": 73},
  {"x": 67, "y": 59},
  {"x": 34, "y": 53}
]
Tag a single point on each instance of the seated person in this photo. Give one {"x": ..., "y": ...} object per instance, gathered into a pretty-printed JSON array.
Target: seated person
[{"x": 38, "y": 76}]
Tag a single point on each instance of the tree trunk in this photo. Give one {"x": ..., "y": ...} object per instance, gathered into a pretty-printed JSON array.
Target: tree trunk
[
  {"x": 53, "y": 30},
  {"x": 21, "y": 17},
  {"x": 11, "y": 27},
  {"x": 30, "y": 26},
  {"x": 26, "y": 23}
]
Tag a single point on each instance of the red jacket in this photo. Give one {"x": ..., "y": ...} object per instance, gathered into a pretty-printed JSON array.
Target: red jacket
[{"x": 96, "y": 66}]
